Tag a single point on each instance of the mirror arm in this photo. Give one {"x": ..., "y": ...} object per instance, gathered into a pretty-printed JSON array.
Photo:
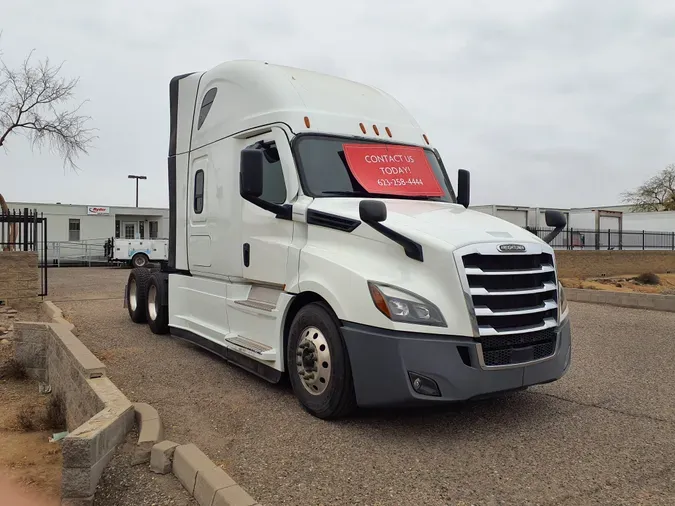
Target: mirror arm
[
  {"x": 553, "y": 234},
  {"x": 412, "y": 249},
  {"x": 282, "y": 211}
]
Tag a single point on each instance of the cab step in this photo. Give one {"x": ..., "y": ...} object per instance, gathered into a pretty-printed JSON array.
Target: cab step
[{"x": 253, "y": 348}]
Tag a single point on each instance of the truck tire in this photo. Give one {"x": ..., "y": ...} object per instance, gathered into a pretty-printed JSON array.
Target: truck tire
[
  {"x": 135, "y": 294},
  {"x": 318, "y": 363},
  {"x": 140, "y": 260},
  {"x": 157, "y": 313}
]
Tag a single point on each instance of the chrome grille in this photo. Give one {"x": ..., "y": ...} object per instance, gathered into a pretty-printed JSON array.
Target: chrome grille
[{"x": 514, "y": 298}]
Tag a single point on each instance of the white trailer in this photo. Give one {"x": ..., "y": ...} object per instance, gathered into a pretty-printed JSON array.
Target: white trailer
[
  {"x": 315, "y": 232},
  {"x": 138, "y": 252}
]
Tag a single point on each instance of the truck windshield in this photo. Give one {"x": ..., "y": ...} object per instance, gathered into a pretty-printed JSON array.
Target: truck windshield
[{"x": 334, "y": 167}]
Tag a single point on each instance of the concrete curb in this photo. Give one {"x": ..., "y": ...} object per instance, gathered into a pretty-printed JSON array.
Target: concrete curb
[
  {"x": 56, "y": 315},
  {"x": 622, "y": 299},
  {"x": 150, "y": 432},
  {"x": 205, "y": 481}
]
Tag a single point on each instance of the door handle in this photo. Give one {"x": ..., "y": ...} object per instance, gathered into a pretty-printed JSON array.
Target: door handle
[{"x": 247, "y": 254}]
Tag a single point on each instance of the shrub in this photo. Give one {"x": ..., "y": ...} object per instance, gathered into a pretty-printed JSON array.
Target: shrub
[
  {"x": 13, "y": 369},
  {"x": 648, "y": 278},
  {"x": 26, "y": 418}
]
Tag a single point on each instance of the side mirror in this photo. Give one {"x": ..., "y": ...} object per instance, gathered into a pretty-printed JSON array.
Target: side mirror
[
  {"x": 251, "y": 173},
  {"x": 463, "y": 187},
  {"x": 555, "y": 219},
  {"x": 372, "y": 211}
]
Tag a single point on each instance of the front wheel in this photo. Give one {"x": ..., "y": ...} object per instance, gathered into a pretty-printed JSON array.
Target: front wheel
[{"x": 318, "y": 364}]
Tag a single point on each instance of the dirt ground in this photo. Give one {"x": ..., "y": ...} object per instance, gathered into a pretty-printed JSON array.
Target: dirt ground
[
  {"x": 624, "y": 283},
  {"x": 604, "y": 434},
  {"x": 27, "y": 458}
]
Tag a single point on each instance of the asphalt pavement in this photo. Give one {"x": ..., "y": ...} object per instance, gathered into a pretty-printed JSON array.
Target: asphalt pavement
[{"x": 604, "y": 434}]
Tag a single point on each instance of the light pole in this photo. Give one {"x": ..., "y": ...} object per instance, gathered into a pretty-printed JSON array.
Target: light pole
[{"x": 131, "y": 176}]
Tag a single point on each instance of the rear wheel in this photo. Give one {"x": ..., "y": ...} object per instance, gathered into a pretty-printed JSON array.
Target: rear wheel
[
  {"x": 135, "y": 294},
  {"x": 318, "y": 364},
  {"x": 157, "y": 313},
  {"x": 140, "y": 260}
]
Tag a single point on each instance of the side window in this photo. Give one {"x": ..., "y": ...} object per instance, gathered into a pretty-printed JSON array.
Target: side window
[
  {"x": 199, "y": 192},
  {"x": 206, "y": 106},
  {"x": 274, "y": 186}
]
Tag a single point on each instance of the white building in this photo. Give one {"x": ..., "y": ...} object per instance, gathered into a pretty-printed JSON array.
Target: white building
[
  {"x": 602, "y": 227},
  {"x": 77, "y": 233},
  {"x": 72, "y": 222}
]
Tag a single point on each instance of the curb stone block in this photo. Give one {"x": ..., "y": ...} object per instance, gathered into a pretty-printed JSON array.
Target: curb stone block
[
  {"x": 233, "y": 496},
  {"x": 161, "y": 457},
  {"x": 150, "y": 432},
  {"x": 208, "y": 483},
  {"x": 188, "y": 460},
  {"x": 84, "y": 501}
]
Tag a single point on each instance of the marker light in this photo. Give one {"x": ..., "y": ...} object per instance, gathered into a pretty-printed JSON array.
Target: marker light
[
  {"x": 426, "y": 139},
  {"x": 306, "y": 121},
  {"x": 388, "y": 131},
  {"x": 363, "y": 127},
  {"x": 377, "y": 132}
]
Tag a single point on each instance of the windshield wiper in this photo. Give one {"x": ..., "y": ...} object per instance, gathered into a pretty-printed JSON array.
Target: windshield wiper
[{"x": 377, "y": 195}]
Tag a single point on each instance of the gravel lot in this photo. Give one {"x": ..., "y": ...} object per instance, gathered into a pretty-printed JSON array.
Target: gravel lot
[{"x": 604, "y": 434}]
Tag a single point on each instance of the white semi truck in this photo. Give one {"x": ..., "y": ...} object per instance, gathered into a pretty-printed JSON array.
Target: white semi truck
[{"x": 315, "y": 232}]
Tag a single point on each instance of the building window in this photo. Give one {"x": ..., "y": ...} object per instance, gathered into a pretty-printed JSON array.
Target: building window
[
  {"x": 117, "y": 229},
  {"x": 199, "y": 192},
  {"x": 129, "y": 231},
  {"x": 206, "y": 106},
  {"x": 141, "y": 230},
  {"x": 154, "y": 229},
  {"x": 73, "y": 230}
]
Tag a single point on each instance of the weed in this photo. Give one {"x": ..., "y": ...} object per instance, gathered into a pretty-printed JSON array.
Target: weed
[
  {"x": 13, "y": 369},
  {"x": 26, "y": 418},
  {"x": 648, "y": 278},
  {"x": 55, "y": 414}
]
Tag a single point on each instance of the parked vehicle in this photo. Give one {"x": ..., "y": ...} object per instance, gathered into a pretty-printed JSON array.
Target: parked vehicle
[
  {"x": 314, "y": 232},
  {"x": 137, "y": 252}
]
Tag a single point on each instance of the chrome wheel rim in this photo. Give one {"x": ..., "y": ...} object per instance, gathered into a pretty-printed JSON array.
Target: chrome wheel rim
[
  {"x": 152, "y": 302},
  {"x": 133, "y": 299},
  {"x": 312, "y": 360}
]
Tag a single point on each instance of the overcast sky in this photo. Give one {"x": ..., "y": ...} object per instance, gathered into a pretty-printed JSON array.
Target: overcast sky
[{"x": 548, "y": 102}]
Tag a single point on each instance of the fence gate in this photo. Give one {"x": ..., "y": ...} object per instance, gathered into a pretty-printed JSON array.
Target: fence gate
[{"x": 26, "y": 230}]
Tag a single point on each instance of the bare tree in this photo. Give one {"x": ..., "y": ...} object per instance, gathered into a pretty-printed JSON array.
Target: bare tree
[
  {"x": 656, "y": 194},
  {"x": 32, "y": 100}
]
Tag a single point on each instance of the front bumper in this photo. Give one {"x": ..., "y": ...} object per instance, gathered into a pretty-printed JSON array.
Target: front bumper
[{"x": 381, "y": 361}]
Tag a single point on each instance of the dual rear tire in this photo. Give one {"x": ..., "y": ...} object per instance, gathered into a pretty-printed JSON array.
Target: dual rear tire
[{"x": 146, "y": 299}]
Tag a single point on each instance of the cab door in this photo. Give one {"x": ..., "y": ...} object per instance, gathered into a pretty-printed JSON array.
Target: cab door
[{"x": 266, "y": 239}]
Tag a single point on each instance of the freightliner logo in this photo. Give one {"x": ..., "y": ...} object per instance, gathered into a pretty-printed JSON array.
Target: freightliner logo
[{"x": 511, "y": 248}]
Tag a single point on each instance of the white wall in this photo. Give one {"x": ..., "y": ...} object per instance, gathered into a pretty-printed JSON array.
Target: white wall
[
  {"x": 663, "y": 221},
  {"x": 582, "y": 220}
]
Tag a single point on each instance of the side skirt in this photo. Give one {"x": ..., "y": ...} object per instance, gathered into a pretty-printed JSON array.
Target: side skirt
[{"x": 253, "y": 366}]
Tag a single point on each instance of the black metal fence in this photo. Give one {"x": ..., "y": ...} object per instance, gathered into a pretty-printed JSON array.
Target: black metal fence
[
  {"x": 587, "y": 239},
  {"x": 26, "y": 230}
]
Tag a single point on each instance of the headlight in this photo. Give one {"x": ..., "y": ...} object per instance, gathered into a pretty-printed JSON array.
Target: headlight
[
  {"x": 402, "y": 306},
  {"x": 562, "y": 300}
]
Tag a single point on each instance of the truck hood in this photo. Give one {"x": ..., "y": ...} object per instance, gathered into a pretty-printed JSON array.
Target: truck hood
[{"x": 429, "y": 221}]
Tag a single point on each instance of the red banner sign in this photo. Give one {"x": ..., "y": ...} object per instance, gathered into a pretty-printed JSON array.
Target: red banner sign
[{"x": 399, "y": 170}]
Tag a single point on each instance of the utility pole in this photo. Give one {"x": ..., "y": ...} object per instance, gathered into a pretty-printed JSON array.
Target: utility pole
[{"x": 131, "y": 176}]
